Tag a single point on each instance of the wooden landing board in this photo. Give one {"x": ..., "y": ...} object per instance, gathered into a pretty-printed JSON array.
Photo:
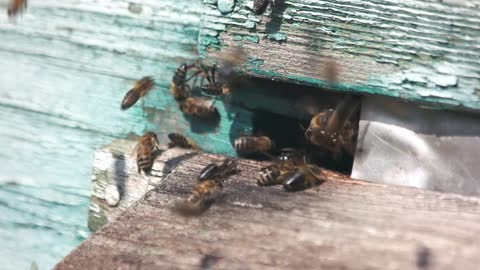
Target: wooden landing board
[
  {"x": 420, "y": 50},
  {"x": 344, "y": 224}
]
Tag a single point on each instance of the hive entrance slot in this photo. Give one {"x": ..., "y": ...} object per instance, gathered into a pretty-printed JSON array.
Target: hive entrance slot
[{"x": 288, "y": 132}]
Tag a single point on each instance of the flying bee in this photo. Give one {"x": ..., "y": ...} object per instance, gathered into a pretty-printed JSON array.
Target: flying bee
[
  {"x": 179, "y": 88},
  {"x": 259, "y": 6},
  {"x": 178, "y": 140},
  {"x": 201, "y": 198},
  {"x": 218, "y": 171},
  {"x": 253, "y": 144},
  {"x": 145, "y": 147},
  {"x": 283, "y": 164},
  {"x": 302, "y": 177},
  {"x": 139, "y": 90},
  {"x": 198, "y": 107},
  {"x": 16, "y": 6},
  {"x": 332, "y": 129}
]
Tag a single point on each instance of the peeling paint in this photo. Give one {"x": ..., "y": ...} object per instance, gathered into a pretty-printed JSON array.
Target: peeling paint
[
  {"x": 226, "y": 6},
  {"x": 277, "y": 37}
]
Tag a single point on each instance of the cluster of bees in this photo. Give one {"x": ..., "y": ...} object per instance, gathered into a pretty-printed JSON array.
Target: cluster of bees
[{"x": 331, "y": 129}]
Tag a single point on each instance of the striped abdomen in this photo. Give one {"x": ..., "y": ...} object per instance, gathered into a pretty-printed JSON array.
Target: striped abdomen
[
  {"x": 178, "y": 140},
  {"x": 139, "y": 90},
  {"x": 178, "y": 87},
  {"x": 144, "y": 159},
  {"x": 269, "y": 176},
  {"x": 215, "y": 89},
  {"x": 198, "y": 107},
  {"x": 250, "y": 145}
]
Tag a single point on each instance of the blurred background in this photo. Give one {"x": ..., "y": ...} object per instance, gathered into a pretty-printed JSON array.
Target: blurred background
[{"x": 64, "y": 68}]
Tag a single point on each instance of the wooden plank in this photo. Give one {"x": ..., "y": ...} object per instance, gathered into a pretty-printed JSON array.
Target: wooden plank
[
  {"x": 344, "y": 224},
  {"x": 419, "y": 50}
]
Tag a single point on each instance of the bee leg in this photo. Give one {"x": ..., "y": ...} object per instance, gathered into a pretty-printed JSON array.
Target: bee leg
[{"x": 193, "y": 76}]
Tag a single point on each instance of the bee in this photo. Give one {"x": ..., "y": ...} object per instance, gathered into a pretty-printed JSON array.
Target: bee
[
  {"x": 146, "y": 145},
  {"x": 213, "y": 88},
  {"x": 286, "y": 162},
  {"x": 179, "y": 88},
  {"x": 302, "y": 177},
  {"x": 253, "y": 144},
  {"x": 259, "y": 6},
  {"x": 218, "y": 171},
  {"x": 201, "y": 198},
  {"x": 140, "y": 89},
  {"x": 178, "y": 140},
  {"x": 198, "y": 107},
  {"x": 15, "y": 7},
  {"x": 332, "y": 129}
]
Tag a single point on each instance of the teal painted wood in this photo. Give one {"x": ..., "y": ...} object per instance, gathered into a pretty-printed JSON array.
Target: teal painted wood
[
  {"x": 64, "y": 68},
  {"x": 425, "y": 51}
]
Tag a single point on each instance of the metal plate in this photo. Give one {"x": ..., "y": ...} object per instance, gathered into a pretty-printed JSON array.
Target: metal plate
[{"x": 403, "y": 144}]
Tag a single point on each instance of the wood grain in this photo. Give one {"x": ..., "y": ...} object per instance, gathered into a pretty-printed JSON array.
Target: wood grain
[
  {"x": 419, "y": 50},
  {"x": 344, "y": 224}
]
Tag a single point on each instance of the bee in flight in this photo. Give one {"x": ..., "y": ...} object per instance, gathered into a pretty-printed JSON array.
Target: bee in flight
[
  {"x": 145, "y": 147},
  {"x": 259, "y": 6},
  {"x": 333, "y": 129},
  {"x": 218, "y": 171},
  {"x": 198, "y": 107},
  {"x": 16, "y": 6},
  {"x": 178, "y": 140},
  {"x": 179, "y": 88},
  {"x": 253, "y": 144},
  {"x": 139, "y": 90}
]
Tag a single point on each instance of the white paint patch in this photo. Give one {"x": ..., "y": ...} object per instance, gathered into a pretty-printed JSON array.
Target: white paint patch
[
  {"x": 112, "y": 195},
  {"x": 245, "y": 204}
]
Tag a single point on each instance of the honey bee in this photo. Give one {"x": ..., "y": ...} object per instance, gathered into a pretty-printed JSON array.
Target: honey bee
[
  {"x": 253, "y": 144},
  {"x": 145, "y": 147},
  {"x": 213, "y": 88},
  {"x": 259, "y": 6},
  {"x": 201, "y": 198},
  {"x": 16, "y": 6},
  {"x": 178, "y": 140},
  {"x": 286, "y": 162},
  {"x": 218, "y": 171},
  {"x": 302, "y": 177},
  {"x": 179, "y": 88},
  {"x": 198, "y": 107},
  {"x": 332, "y": 129},
  {"x": 140, "y": 89}
]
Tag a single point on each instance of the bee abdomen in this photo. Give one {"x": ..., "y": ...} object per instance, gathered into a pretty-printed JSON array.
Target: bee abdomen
[
  {"x": 245, "y": 145},
  {"x": 180, "y": 75},
  {"x": 145, "y": 162},
  {"x": 212, "y": 89},
  {"x": 130, "y": 99},
  {"x": 269, "y": 176},
  {"x": 178, "y": 140},
  {"x": 178, "y": 91}
]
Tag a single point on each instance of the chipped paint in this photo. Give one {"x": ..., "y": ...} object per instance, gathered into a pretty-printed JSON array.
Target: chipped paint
[
  {"x": 426, "y": 52},
  {"x": 277, "y": 37},
  {"x": 225, "y": 6}
]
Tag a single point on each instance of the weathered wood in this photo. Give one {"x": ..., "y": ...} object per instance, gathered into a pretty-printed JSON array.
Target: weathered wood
[
  {"x": 64, "y": 68},
  {"x": 419, "y": 50},
  {"x": 344, "y": 224}
]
